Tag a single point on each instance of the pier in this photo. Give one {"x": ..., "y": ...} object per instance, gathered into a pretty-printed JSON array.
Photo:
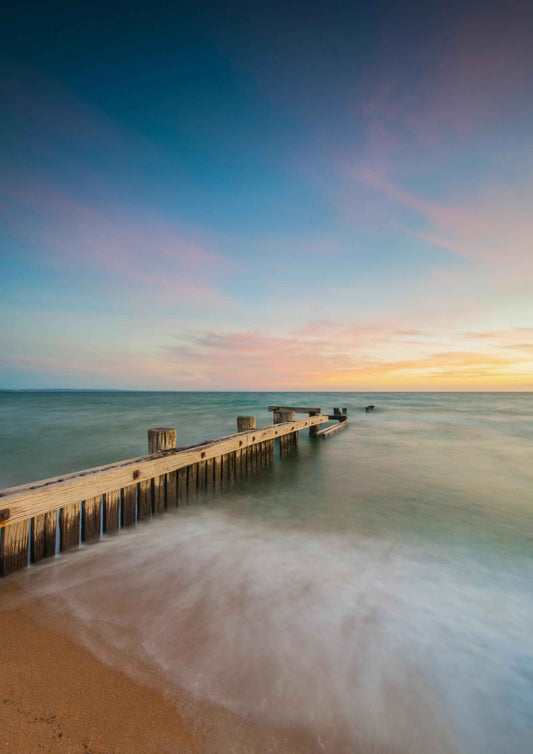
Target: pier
[{"x": 40, "y": 519}]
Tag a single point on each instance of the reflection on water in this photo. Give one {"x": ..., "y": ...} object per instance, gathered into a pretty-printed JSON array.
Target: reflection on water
[{"x": 375, "y": 590}]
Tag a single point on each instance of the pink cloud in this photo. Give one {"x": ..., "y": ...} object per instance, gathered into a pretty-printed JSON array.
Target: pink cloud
[
  {"x": 349, "y": 358},
  {"x": 144, "y": 251},
  {"x": 494, "y": 227}
]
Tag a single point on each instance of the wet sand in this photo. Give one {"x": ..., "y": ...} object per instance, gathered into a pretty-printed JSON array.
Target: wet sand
[{"x": 56, "y": 696}]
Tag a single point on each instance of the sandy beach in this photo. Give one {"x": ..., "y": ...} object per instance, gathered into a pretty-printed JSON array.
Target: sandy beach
[{"x": 57, "y": 697}]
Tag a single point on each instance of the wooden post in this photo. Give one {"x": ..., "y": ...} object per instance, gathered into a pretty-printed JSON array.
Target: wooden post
[
  {"x": 172, "y": 489},
  {"x": 313, "y": 431},
  {"x": 111, "y": 511},
  {"x": 210, "y": 475},
  {"x": 129, "y": 505},
  {"x": 69, "y": 526},
  {"x": 145, "y": 499},
  {"x": 182, "y": 486},
  {"x": 159, "y": 440},
  {"x": 287, "y": 443},
  {"x": 202, "y": 478},
  {"x": 43, "y": 536},
  {"x": 91, "y": 518},
  {"x": 14, "y": 547},
  {"x": 192, "y": 483},
  {"x": 246, "y": 467}
]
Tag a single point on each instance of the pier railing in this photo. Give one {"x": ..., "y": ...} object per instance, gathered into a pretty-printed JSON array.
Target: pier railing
[{"x": 40, "y": 519}]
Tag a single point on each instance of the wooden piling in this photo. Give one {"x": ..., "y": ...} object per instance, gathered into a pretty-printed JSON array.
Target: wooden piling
[
  {"x": 313, "y": 431},
  {"x": 91, "y": 519},
  {"x": 244, "y": 423},
  {"x": 129, "y": 505},
  {"x": 43, "y": 536},
  {"x": 202, "y": 478},
  {"x": 14, "y": 547},
  {"x": 181, "y": 475},
  {"x": 217, "y": 461},
  {"x": 287, "y": 443},
  {"x": 192, "y": 483},
  {"x": 69, "y": 526},
  {"x": 172, "y": 489},
  {"x": 159, "y": 494},
  {"x": 144, "y": 509},
  {"x": 210, "y": 476},
  {"x": 159, "y": 440},
  {"x": 111, "y": 511}
]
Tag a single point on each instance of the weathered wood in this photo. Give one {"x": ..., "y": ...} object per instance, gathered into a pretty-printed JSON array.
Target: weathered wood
[
  {"x": 210, "y": 476},
  {"x": 69, "y": 526},
  {"x": 202, "y": 481},
  {"x": 161, "y": 438},
  {"x": 337, "y": 417},
  {"x": 328, "y": 431},
  {"x": 218, "y": 473},
  {"x": 192, "y": 483},
  {"x": 159, "y": 493},
  {"x": 91, "y": 519},
  {"x": 14, "y": 547},
  {"x": 287, "y": 442},
  {"x": 43, "y": 536},
  {"x": 129, "y": 505},
  {"x": 144, "y": 508},
  {"x": 246, "y": 460},
  {"x": 30, "y": 500},
  {"x": 172, "y": 489},
  {"x": 254, "y": 465},
  {"x": 181, "y": 475},
  {"x": 231, "y": 468},
  {"x": 284, "y": 415},
  {"x": 296, "y": 409},
  {"x": 238, "y": 461},
  {"x": 244, "y": 423},
  {"x": 111, "y": 511},
  {"x": 313, "y": 431},
  {"x": 225, "y": 471}
]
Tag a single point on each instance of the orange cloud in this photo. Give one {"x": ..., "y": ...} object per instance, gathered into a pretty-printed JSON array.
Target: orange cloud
[{"x": 251, "y": 360}]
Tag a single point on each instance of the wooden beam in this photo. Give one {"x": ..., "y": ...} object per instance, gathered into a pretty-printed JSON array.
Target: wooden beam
[
  {"x": 328, "y": 431},
  {"x": 296, "y": 409}
]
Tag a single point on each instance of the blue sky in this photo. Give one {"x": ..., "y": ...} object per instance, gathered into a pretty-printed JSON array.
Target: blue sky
[{"x": 267, "y": 196}]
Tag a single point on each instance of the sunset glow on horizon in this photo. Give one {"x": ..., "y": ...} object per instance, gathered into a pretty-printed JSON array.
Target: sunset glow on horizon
[{"x": 257, "y": 196}]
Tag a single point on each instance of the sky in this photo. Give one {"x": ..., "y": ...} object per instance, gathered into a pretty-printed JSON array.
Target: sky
[{"x": 266, "y": 195}]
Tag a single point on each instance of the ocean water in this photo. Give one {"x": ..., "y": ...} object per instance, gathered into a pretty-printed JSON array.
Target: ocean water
[{"x": 373, "y": 591}]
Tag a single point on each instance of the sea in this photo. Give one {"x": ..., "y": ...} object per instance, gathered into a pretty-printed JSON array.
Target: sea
[{"x": 373, "y": 590}]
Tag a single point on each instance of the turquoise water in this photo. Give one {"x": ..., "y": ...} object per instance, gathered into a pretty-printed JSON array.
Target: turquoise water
[{"x": 373, "y": 591}]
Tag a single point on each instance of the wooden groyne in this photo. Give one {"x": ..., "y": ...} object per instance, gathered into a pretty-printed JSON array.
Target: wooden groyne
[{"x": 40, "y": 519}]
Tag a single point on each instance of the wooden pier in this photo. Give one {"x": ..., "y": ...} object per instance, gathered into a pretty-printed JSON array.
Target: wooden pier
[{"x": 40, "y": 519}]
